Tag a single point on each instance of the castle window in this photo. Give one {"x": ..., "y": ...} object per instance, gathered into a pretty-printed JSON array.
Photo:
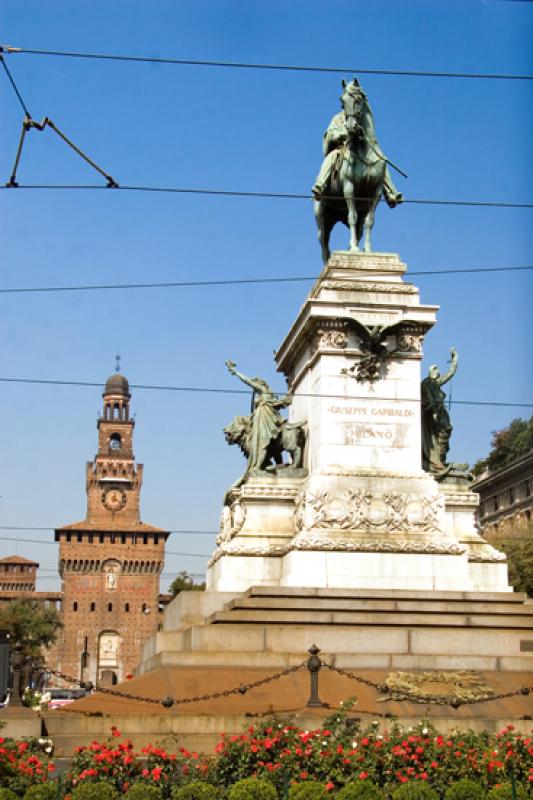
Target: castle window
[
  {"x": 115, "y": 442},
  {"x": 74, "y": 606},
  {"x": 110, "y": 606},
  {"x": 93, "y": 607},
  {"x": 126, "y": 607}
]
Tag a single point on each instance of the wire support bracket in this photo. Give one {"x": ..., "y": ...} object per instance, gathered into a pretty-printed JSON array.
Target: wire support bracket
[{"x": 30, "y": 124}]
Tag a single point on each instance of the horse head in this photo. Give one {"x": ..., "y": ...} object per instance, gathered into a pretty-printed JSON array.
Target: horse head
[{"x": 352, "y": 101}]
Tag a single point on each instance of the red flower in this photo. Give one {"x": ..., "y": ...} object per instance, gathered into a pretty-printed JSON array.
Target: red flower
[
  {"x": 329, "y": 786},
  {"x": 363, "y": 775}
]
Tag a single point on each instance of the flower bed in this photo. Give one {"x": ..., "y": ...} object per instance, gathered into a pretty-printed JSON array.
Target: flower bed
[{"x": 337, "y": 759}]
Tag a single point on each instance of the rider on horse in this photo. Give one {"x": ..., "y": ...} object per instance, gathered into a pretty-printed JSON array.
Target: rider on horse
[{"x": 334, "y": 139}]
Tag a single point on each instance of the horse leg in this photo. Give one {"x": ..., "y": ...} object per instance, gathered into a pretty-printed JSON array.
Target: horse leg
[
  {"x": 323, "y": 232},
  {"x": 352, "y": 218},
  {"x": 369, "y": 224}
]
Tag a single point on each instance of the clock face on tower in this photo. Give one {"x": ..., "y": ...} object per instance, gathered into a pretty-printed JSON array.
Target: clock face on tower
[{"x": 114, "y": 499}]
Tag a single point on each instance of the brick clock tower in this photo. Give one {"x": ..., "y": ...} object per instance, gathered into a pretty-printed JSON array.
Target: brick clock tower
[{"x": 110, "y": 562}]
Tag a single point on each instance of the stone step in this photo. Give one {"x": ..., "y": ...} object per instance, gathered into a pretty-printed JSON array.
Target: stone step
[
  {"x": 378, "y": 604},
  {"x": 369, "y": 618},
  {"x": 361, "y": 661},
  {"x": 389, "y": 594},
  {"x": 278, "y": 637}
]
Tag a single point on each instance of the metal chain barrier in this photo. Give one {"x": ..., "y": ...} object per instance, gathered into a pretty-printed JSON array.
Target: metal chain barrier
[{"x": 168, "y": 702}]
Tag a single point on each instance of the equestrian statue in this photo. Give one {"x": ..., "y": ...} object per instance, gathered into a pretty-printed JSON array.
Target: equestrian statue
[{"x": 354, "y": 174}]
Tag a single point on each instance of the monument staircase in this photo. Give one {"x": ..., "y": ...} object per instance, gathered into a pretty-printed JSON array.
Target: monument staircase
[{"x": 354, "y": 628}]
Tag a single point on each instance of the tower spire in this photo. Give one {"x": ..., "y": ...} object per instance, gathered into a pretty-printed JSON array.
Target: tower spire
[{"x": 117, "y": 365}]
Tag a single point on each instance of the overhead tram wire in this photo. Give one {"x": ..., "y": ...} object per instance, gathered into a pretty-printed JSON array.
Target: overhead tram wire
[
  {"x": 248, "y": 194},
  {"x": 212, "y": 390},
  {"x": 235, "y": 281},
  {"x": 259, "y": 66},
  {"x": 29, "y": 124},
  {"x": 52, "y": 528},
  {"x": 46, "y": 541}
]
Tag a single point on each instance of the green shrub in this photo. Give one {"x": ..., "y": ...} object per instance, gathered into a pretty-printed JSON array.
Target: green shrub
[
  {"x": 95, "y": 791},
  {"x": 252, "y": 789},
  {"x": 7, "y": 794},
  {"x": 505, "y": 792},
  {"x": 360, "y": 790},
  {"x": 308, "y": 790},
  {"x": 415, "y": 791},
  {"x": 143, "y": 791},
  {"x": 42, "y": 791},
  {"x": 465, "y": 789},
  {"x": 197, "y": 790}
]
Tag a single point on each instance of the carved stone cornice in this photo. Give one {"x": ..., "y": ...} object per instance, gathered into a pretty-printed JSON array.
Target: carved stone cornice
[
  {"x": 487, "y": 557},
  {"x": 461, "y": 498},
  {"x": 243, "y": 549},
  {"x": 358, "y": 286},
  {"x": 357, "y": 545}
]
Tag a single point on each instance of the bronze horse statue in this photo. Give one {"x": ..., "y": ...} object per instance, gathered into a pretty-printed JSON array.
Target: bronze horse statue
[{"x": 354, "y": 173}]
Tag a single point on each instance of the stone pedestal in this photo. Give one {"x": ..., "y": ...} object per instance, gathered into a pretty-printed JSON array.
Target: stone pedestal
[
  {"x": 366, "y": 515},
  {"x": 20, "y": 722},
  {"x": 256, "y": 529}
]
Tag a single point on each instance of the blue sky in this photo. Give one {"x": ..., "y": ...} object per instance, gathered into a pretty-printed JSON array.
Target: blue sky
[{"x": 247, "y": 130}]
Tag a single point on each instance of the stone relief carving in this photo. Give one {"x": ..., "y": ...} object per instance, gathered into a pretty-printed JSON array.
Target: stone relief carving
[
  {"x": 329, "y": 335},
  {"x": 437, "y": 687},
  {"x": 231, "y": 521},
  {"x": 410, "y": 343},
  {"x": 331, "y": 338},
  {"x": 362, "y": 510}
]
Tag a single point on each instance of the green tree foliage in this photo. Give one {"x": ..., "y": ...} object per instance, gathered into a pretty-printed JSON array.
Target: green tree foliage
[
  {"x": 183, "y": 582},
  {"x": 31, "y": 623},
  {"x": 519, "y": 552},
  {"x": 507, "y": 445}
]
